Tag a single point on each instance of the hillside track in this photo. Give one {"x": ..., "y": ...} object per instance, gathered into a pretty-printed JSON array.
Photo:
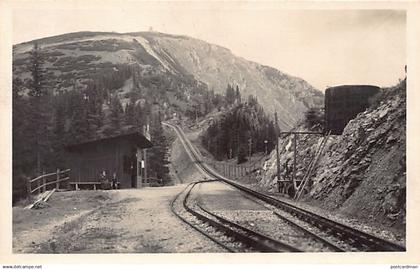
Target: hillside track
[{"x": 356, "y": 239}]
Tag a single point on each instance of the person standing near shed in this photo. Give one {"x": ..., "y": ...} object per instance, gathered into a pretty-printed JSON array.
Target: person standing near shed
[
  {"x": 114, "y": 181},
  {"x": 103, "y": 180}
]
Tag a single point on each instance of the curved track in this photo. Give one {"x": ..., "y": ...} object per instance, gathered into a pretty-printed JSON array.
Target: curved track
[
  {"x": 358, "y": 239},
  {"x": 230, "y": 236}
]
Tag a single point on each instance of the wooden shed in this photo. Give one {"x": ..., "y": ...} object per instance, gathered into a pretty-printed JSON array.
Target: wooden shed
[{"x": 122, "y": 156}]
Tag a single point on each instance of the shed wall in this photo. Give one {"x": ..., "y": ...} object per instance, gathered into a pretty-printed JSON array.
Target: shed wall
[{"x": 116, "y": 156}]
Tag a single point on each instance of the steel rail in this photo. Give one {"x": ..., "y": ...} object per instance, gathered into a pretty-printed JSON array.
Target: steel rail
[
  {"x": 358, "y": 238},
  {"x": 251, "y": 239},
  {"x": 262, "y": 240},
  {"x": 194, "y": 227},
  {"x": 306, "y": 231}
]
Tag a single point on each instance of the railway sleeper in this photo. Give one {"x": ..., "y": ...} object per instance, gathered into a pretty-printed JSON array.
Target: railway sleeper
[{"x": 260, "y": 240}]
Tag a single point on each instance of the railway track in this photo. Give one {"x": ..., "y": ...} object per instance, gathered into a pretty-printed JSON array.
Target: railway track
[
  {"x": 359, "y": 240},
  {"x": 225, "y": 233}
]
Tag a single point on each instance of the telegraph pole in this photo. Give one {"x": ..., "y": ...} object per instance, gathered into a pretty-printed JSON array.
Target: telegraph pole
[
  {"x": 277, "y": 147},
  {"x": 250, "y": 146},
  {"x": 294, "y": 159},
  {"x": 265, "y": 144}
]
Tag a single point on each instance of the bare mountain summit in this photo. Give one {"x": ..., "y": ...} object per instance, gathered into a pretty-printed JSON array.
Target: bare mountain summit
[{"x": 76, "y": 57}]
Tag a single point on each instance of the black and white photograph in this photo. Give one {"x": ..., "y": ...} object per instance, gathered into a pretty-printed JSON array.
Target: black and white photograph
[{"x": 208, "y": 127}]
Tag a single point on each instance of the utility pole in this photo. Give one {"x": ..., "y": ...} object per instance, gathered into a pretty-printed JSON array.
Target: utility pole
[
  {"x": 294, "y": 159},
  {"x": 145, "y": 163},
  {"x": 277, "y": 147},
  {"x": 265, "y": 144},
  {"x": 266, "y": 139},
  {"x": 237, "y": 138},
  {"x": 196, "y": 116},
  {"x": 250, "y": 146}
]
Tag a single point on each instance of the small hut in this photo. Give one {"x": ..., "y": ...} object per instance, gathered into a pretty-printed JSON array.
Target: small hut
[{"x": 120, "y": 158}]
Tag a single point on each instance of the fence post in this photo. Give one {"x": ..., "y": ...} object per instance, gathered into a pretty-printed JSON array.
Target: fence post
[
  {"x": 57, "y": 184},
  {"x": 39, "y": 185},
  {"x": 28, "y": 185},
  {"x": 44, "y": 182}
]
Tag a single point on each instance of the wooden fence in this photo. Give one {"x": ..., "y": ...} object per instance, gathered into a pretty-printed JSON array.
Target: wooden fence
[
  {"x": 40, "y": 183},
  {"x": 233, "y": 170}
]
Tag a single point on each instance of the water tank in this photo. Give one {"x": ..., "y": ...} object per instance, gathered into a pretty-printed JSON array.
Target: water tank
[{"x": 343, "y": 103}]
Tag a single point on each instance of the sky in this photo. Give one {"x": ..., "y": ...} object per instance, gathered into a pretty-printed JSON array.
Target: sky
[{"x": 324, "y": 47}]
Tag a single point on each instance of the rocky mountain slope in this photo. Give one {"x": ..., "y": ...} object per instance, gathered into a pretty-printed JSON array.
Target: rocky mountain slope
[
  {"x": 72, "y": 59},
  {"x": 362, "y": 173}
]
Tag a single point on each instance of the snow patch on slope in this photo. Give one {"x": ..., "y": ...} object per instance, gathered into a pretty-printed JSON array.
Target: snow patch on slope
[{"x": 146, "y": 45}]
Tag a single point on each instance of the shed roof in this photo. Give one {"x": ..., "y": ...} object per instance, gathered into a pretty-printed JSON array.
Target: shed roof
[{"x": 135, "y": 137}]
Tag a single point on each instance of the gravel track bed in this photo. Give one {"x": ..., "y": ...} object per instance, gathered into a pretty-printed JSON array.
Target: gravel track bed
[
  {"x": 266, "y": 223},
  {"x": 330, "y": 238},
  {"x": 351, "y": 222},
  {"x": 204, "y": 227},
  {"x": 220, "y": 196},
  {"x": 380, "y": 232},
  {"x": 259, "y": 217}
]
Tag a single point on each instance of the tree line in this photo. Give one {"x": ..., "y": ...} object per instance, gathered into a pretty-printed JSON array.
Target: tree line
[
  {"x": 45, "y": 120},
  {"x": 242, "y": 131}
]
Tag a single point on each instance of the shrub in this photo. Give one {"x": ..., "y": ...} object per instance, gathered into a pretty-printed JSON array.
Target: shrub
[{"x": 314, "y": 119}]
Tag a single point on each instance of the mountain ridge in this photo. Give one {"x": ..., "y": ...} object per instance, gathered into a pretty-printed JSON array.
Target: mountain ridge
[{"x": 78, "y": 55}]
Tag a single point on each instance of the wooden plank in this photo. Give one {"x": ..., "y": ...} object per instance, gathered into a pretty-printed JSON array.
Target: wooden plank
[
  {"x": 42, "y": 176},
  {"x": 42, "y": 187},
  {"x": 49, "y": 195},
  {"x": 65, "y": 171},
  {"x": 40, "y": 198},
  {"x": 44, "y": 184},
  {"x": 52, "y": 182}
]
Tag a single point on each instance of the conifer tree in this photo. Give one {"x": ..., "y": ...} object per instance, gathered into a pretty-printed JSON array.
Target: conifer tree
[
  {"x": 230, "y": 95},
  {"x": 238, "y": 95},
  {"x": 157, "y": 164},
  {"x": 19, "y": 128},
  {"x": 79, "y": 130},
  {"x": 243, "y": 125},
  {"x": 39, "y": 107},
  {"x": 130, "y": 113},
  {"x": 115, "y": 117},
  {"x": 60, "y": 136}
]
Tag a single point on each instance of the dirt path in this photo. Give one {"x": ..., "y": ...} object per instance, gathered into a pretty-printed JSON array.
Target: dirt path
[{"x": 123, "y": 221}]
